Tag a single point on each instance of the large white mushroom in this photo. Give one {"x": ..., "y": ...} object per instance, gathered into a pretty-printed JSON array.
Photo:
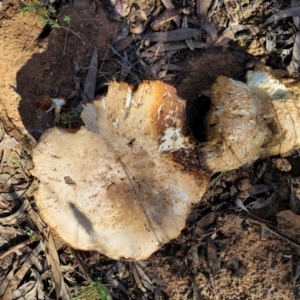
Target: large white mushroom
[{"x": 120, "y": 185}]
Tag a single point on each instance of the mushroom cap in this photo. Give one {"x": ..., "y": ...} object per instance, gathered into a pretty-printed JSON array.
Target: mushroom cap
[
  {"x": 114, "y": 186},
  {"x": 236, "y": 129},
  {"x": 250, "y": 121}
]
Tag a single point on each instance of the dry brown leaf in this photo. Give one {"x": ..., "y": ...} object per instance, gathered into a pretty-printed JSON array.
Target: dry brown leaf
[
  {"x": 19, "y": 275},
  {"x": 289, "y": 224},
  {"x": 289, "y": 12},
  {"x": 195, "y": 256},
  {"x": 162, "y": 74},
  {"x": 136, "y": 276},
  {"x": 259, "y": 188},
  {"x": 154, "y": 70},
  {"x": 164, "y": 47},
  {"x": 169, "y": 5},
  {"x": 11, "y": 231},
  {"x": 212, "y": 257},
  {"x": 5, "y": 292},
  {"x": 180, "y": 34},
  {"x": 7, "y": 143},
  {"x": 12, "y": 195},
  {"x": 90, "y": 82},
  {"x": 32, "y": 289},
  {"x": 147, "y": 283},
  {"x": 189, "y": 42},
  {"x": 293, "y": 67},
  {"x": 207, "y": 220},
  {"x": 172, "y": 67},
  {"x": 296, "y": 19},
  {"x": 212, "y": 31},
  {"x": 123, "y": 43},
  {"x": 125, "y": 67},
  {"x": 230, "y": 32},
  {"x": 53, "y": 260},
  {"x": 15, "y": 248},
  {"x": 202, "y": 10},
  {"x": 17, "y": 216}
]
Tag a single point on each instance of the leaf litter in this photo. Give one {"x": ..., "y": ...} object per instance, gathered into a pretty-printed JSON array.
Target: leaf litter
[{"x": 154, "y": 55}]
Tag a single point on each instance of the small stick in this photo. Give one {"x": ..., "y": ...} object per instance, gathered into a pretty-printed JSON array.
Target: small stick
[{"x": 16, "y": 247}]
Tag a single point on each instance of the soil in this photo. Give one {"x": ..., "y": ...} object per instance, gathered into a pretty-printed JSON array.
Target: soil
[{"x": 223, "y": 253}]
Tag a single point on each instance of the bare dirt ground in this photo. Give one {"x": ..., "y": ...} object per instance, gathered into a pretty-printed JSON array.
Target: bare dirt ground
[{"x": 223, "y": 253}]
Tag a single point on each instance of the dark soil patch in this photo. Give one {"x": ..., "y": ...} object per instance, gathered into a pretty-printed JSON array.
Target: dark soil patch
[{"x": 60, "y": 70}]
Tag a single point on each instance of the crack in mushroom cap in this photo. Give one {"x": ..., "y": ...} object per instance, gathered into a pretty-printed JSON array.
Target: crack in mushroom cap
[{"x": 114, "y": 186}]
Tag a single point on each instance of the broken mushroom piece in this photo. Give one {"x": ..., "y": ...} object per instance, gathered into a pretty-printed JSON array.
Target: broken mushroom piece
[
  {"x": 114, "y": 186},
  {"x": 46, "y": 104},
  {"x": 250, "y": 121}
]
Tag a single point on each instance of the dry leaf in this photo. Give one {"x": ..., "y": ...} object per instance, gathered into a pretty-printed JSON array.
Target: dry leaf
[
  {"x": 90, "y": 82},
  {"x": 230, "y": 32},
  {"x": 169, "y": 5},
  {"x": 212, "y": 257},
  {"x": 17, "y": 216},
  {"x": 202, "y": 10},
  {"x": 172, "y": 35},
  {"x": 32, "y": 289},
  {"x": 53, "y": 260},
  {"x": 293, "y": 67},
  {"x": 189, "y": 42},
  {"x": 136, "y": 276},
  {"x": 144, "y": 278},
  {"x": 289, "y": 224},
  {"x": 289, "y": 12},
  {"x": 5, "y": 291},
  {"x": 19, "y": 275},
  {"x": 12, "y": 195},
  {"x": 259, "y": 188},
  {"x": 212, "y": 31},
  {"x": 164, "y": 47}
]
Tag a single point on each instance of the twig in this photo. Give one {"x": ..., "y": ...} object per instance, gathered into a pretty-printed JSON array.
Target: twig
[{"x": 16, "y": 247}]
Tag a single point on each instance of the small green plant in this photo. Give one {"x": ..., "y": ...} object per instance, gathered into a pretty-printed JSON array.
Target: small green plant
[
  {"x": 69, "y": 118},
  {"x": 33, "y": 235},
  {"x": 94, "y": 291},
  {"x": 46, "y": 14},
  {"x": 67, "y": 19}
]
